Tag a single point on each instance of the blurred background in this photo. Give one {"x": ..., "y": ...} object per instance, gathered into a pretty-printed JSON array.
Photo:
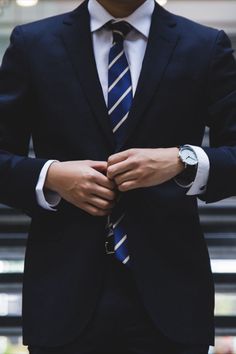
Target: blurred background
[{"x": 218, "y": 220}]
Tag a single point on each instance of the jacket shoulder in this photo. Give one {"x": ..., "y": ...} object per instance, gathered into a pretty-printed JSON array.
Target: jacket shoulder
[
  {"x": 46, "y": 27},
  {"x": 38, "y": 28},
  {"x": 193, "y": 30},
  {"x": 196, "y": 30}
]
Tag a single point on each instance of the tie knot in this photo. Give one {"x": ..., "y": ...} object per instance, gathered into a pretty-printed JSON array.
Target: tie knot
[{"x": 120, "y": 29}]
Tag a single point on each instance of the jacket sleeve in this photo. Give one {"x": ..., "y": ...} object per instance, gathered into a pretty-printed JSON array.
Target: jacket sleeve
[
  {"x": 18, "y": 172},
  {"x": 221, "y": 103}
]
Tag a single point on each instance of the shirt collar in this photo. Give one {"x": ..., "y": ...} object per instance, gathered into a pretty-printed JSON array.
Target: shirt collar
[{"x": 139, "y": 19}]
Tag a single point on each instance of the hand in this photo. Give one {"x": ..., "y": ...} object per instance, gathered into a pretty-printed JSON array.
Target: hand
[
  {"x": 84, "y": 184},
  {"x": 136, "y": 168}
]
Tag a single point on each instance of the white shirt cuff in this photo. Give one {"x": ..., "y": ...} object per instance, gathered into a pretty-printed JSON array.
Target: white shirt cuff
[
  {"x": 47, "y": 200},
  {"x": 199, "y": 185}
]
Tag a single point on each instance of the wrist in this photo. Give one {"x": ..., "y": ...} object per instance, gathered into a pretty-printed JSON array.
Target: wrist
[
  {"x": 189, "y": 159},
  {"x": 52, "y": 176},
  {"x": 180, "y": 166},
  {"x": 188, "y": 156}
]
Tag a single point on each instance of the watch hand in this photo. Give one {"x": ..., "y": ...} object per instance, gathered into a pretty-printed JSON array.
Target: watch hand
[{"x": 189, "y": 157}]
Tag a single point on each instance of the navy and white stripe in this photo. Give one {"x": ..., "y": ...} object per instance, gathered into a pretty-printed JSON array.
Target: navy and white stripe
[
  {"x": 120, "y": 98},
  {"x": 120, "y": 93}
]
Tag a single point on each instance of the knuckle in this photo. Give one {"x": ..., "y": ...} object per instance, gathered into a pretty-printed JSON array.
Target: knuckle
[
  {"x": 100, "y": 213},
  {"x": 133, "y": 165},
  {"x": 112, "y": 195},
  {"x": 117, "y": 180},
  {"x": 94, "y": 212},
  {"x": 81, "y": 195},
  {"x": 112, "y": 198},
  {"x": 131, "y": 151},
  {"x": 109, "y": 196},
  {"x": 85, "y": 187},
  {"x": 109, "y": 175},
  {"x": 134, "y": 162},
  {"x": 90, "y": 176},
  {"x": 122, "y": 188},
  {"x": 106, "y": 204},
  {"x": 90, "y": 211},
  {"x": 102, "y": 204},
  {"x": 141, "y": 174},
  {"x": 110, "y": 170},
  {"x": 109, "y": 159}
]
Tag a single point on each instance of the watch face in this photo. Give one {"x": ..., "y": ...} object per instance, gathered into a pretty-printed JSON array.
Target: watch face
[{"x": 189, "y": 157}]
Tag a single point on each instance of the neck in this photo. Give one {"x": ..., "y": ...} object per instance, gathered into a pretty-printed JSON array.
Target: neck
[{"x": 121, "y": 8}]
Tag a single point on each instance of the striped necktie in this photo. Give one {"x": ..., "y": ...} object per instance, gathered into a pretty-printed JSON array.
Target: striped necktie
[
  {"x": 120, "y": 98},
  {"x": 120, "y": 94}
]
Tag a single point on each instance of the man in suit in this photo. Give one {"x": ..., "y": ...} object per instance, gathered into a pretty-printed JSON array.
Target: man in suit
[{"x": 116, "y": 96}]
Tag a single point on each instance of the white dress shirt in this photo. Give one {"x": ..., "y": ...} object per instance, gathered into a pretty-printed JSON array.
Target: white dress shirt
[{"x": 135, "y": 46}]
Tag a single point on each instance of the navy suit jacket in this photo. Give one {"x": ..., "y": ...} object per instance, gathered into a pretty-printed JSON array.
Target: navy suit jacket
[{"x": 49, "y": 88}]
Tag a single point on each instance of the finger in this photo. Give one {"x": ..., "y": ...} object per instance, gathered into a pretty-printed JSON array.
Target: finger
[
  {"x": 127, "y": 186},
  {"x": 104, "y": 193},
  {"x": 100, "y": 166},
  {"x": 104, "y": 181},
  {"x": 100, "y": 203},
  {"x": 92, "y": 210},
  {"x": 118, "y": 168},
  {"x": 120, "y": 156},
  {"x": 125, "y": 177}
]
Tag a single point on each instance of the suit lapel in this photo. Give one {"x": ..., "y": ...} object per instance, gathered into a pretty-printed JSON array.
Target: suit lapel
[
  {"x": 78, "y": 41},
  {"x": 161, "y": 44}
]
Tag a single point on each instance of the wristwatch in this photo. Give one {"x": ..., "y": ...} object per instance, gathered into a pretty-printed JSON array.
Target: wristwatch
[{"x": 188, "y": 156}]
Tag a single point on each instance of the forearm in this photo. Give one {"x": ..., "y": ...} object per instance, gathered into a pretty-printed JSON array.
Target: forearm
[
  {"x": 222, "y": 177},
  {"x": 19, "y": 176}
]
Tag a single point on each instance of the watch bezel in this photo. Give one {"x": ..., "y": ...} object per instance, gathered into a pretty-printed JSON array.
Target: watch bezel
[{"x": 185, "y": 162}]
